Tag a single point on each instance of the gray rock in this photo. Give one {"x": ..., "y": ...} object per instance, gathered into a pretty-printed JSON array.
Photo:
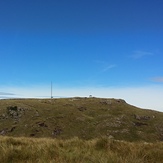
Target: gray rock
[
  {"x": 111, "y": 137},
  {"x": 3, "y": 132},
  {"x": 137, "y": 117}
]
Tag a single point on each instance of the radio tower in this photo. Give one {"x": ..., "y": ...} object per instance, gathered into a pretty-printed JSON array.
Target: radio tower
[{"x": 51, "y": 89}]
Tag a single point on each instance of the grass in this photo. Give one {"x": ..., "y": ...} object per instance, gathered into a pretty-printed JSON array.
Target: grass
[
  {"x": 100, "y": 150},
  {"x": 86, "y": 118},
  {"x": 79, "y": 130}
]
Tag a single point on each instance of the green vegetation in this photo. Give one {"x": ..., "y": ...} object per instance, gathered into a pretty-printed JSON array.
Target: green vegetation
[
  {"x": 79, "y": 130},
  {"x": 101, "y": 150},
  {"x": 85, "y": 118}
]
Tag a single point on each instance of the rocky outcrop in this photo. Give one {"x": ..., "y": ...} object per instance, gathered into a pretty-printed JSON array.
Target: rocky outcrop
[
  {"x": 111, "y": 101},
  {"x": 3, "y": 132},
  {"x": 137, "y": 117},
  {"x": 105, "y": 102},
  {"x": 7, "y": 130},
  {"x": 15, "y": 112}
]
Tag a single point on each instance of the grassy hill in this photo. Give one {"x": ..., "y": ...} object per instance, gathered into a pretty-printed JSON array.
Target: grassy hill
[{"x": 85, "y": 118}]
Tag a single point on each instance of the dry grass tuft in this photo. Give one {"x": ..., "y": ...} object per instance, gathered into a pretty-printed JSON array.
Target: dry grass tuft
[{"x": 101, "y": 150}]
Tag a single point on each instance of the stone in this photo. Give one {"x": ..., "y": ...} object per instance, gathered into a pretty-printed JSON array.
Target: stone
[
  {"x": 37, "y": 114},
  {"x": 106, "y": 102},
  {"x": 110, "y": 137},
  {"x": 15, "y": 112},
  {"x": 3, "y": 132},
  {"x": 120, "y": 101},
  {"x": 3, "y": 115},
  {"x": 137, "y": 117}
]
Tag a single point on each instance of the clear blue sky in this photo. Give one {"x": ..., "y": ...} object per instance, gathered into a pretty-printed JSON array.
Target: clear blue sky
[{"x": 81, "y": 44}]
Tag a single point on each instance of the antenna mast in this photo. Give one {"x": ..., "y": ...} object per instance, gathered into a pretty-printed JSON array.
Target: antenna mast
[{"x": 51, "y": 89}]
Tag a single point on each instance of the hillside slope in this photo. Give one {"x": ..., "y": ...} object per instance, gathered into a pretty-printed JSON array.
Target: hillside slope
[{"x": 86, "y": 118}]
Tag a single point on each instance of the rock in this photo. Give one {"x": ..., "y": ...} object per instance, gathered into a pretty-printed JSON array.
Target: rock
[
  {"x": 3, "y": 115},
  {"x": 37, "y": 114},
  {"x": 19, "y": 115},
  {"x": 103, "y": 102},
  {"x": 110, "y": 137},
  {"x": 121, "y": 101},
  {"x": 137, "y": 117},
  {"x": 15, "y": 112},
  {"x": 106, "y": 102},
  {"x": 3, "y": 132},
  {"x": 145, "y": 117}
]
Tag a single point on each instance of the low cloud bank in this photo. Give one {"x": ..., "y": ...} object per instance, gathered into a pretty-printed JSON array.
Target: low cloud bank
[
  {"x": 148, "y": 97},
  {"x": 6, "y": 93}
]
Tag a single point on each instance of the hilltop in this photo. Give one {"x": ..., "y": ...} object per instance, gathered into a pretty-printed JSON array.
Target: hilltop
[{"x": 85, "y": 118}]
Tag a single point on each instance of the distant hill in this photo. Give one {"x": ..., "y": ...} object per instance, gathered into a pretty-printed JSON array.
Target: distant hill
[{"x": 86, "y": 118}]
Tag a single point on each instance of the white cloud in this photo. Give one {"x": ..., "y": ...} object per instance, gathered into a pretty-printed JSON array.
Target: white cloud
[
  {"x": 105, "y": 65},
  {"x": 140, "y": 54},
  {"x": 109, "y": 67},
  {"x": 148, "y": 97}
]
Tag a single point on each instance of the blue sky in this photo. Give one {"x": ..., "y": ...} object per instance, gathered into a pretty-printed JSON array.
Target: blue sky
[{"x": 99, "y": 47}]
